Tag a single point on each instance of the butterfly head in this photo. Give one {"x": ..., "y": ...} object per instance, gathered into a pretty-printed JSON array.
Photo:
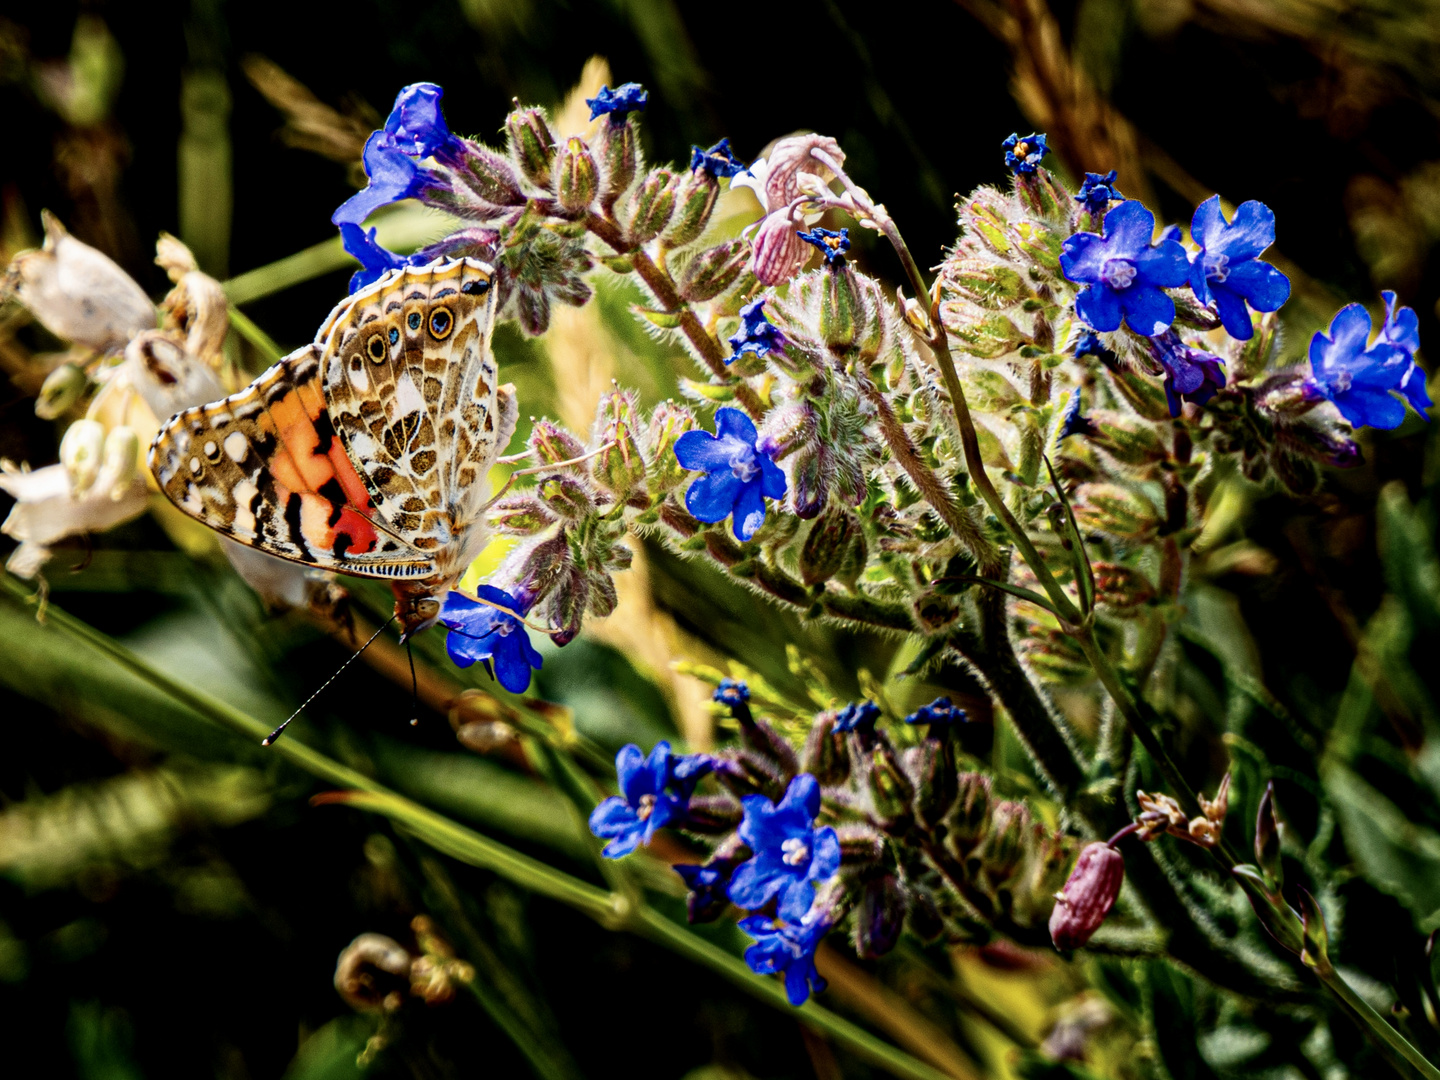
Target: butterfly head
[{"x": 416, "y": 606}]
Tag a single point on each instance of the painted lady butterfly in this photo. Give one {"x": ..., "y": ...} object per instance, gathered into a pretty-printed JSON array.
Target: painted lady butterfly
[{"x": 368, "y": 451}]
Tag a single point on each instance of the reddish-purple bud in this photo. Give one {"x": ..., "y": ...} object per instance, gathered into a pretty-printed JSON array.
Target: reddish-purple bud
[{"x": 1088, "y": 896}]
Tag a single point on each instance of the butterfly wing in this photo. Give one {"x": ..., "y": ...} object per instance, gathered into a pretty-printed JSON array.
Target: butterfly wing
[
  {"x": 264, "y": 468},
  {"x": 412, "y": 388}
]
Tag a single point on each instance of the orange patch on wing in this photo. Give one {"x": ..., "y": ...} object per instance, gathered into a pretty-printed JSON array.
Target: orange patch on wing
[{"x": 335, "y": 507}]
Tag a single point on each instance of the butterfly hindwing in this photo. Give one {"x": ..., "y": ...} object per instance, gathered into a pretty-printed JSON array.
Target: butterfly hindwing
[
  {"x": 264, "y": 467},
  {"x": 411, "y": 386}
]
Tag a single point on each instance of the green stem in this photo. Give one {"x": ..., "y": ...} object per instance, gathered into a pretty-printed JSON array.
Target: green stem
[
  {"x": 612, "y": 910},
  {"x": 1392, "y": 1044},
  {"x": 245, "y": 326}
]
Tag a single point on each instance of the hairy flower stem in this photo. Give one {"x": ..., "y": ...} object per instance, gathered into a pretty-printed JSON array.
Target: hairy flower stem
[
  {"x": 658, "y": 280},
  {"x": 1393, "y": 1046}
]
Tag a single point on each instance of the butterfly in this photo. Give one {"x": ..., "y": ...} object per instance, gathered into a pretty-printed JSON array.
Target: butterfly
[{"x": 367, "y": 451}]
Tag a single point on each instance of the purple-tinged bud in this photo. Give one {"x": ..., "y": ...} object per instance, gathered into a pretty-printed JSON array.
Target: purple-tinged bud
[
  {"x": 713, "y": 271},
  {"x": 826, "y": 754},
  {"x": 711, "y": 814},
  {"x": 788, "y": 428},
  {"x": 890, "y": 790},
  {"x": 616, "y": 146},
  {"x": 709, "y": 884},
  {"x": 1043, "y": 197},
  {"x": 1122, "y": 588},
  {"x": 778, "y": 252},
  {"x": 532, "y": 145},
  {"x": 576, "y": 178},
  {"x": 931, "y": 768},
  {"x": 1003, "y": 847},
  {"x": 489, "y": 177},
  {"x": 695, "y": 200},
  {"x": 621, "y": 468},
  {"x": 552, "y": 444},
  {"x": 667, "y": 423},
  {"x": 1337, "y": 449},
  {"x": 879, "y": 917},
  {"x": 567, "y": 496},
  {"x": 827, "y": 547},
  {"x": 809, "y": 482},
  {"x": 1267, "y": 840},
  {"x": 1315, "y": 952},
  {"x": 1088, "y": 896},
  {"x": 860, "y": 845},
  {"x": 651, "y": 207},
  {"x": 521, "y": 515}
]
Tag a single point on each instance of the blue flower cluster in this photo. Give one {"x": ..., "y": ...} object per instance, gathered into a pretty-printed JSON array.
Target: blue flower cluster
[
  {"x": 739, "y": 474},
  {"x": 480, "y": 631},
  {"x": 1022, "y": 155},
  {"x": 857, "y": 716},
  {"x": 832, "y": 244},
  {"x": 719, "y": 161},
  {"x": 1362, "y": 377},
  {"x": 1124, "y": 273},
  {"x": 415, "y": 130},
  {"x": 941, "y": 715},
  {"x": 788, "y": 855},
  {"x": 618, "y": 103}
]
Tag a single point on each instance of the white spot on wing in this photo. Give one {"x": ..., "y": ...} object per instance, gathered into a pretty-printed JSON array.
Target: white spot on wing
[
  {"x": 244, "y": 492},
  {"x": 236, "y": 445}
]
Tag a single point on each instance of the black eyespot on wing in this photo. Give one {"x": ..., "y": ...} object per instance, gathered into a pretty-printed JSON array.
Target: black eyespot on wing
[
  {"x": 413, "y": 320},
  {"x": 441, "y": 323},
  {"x": 476, "y": 288},
  {"x": 375, "y": 348}
]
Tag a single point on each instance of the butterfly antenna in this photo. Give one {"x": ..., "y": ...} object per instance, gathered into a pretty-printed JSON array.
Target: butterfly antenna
[
  {"x": 269, "y": 740},
  {"x": 414, "y": 686}
]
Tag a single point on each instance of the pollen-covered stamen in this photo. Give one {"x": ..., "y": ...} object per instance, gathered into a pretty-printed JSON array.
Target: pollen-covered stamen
[
  {"x": 645, "y": 808},
  {"x": 744, "y": 465},
  {"x": 1118, "y": 273},
  {"x": 1341, "y": 381},
  {"x": 796, "y": 852},
  {"x": 1022, "y": 151},
  {"x": 1217, "y": 267}
]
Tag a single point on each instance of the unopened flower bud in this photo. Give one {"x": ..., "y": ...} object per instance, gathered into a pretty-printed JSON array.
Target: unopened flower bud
[
  {"x": 489, "y": 178},
  {"x": 1127, "y": 439},
  {"x": 1122, "y": 587},
  {"x": 708, "y": 883},
  {"x": 841, "y": 309},
  {"x": 1119, "y": 511},
  {"x": 694, "y": 201},
  {"x": 616, "y": 147},
  {"x": 373, "y": 973},
  {"x": 1335, "y": 448},
  {"x": 986, "y": 337},
  {"x": 826, "y": 754},
  {"x": 711, "y": 814},
  {"x": 984, "y": 283},
  {"x": 809, "y": 483},
  {"x": 567, "y": 496},
  {"x": 576, "y": 178},
  {"x": 552, "y": 444},
  {"x": 61, "y": 390},
  {"x": 827, "y": 547},
  {"x": 1088, "y": 896},
  {"x": 120, "y": 460},
  {"x": 521, "y": 515},
  {"x": 82, "y": 453},
  {"x": 621, "y": 467},
  {"x": 713, "y": 271},
  {"x": 890, "y": 789},
  {"x": 1003, "y": 847},
  {"x": 879, "y": 917},
  {"x": 931, "y": 767},
  {"x": 532, "y": 144},
  {"x": 78, "y": 293},
  {"x": 1267, "y": 839},
  {"x": 667, "y": 423},
  {"x": 651, "y": 206}
]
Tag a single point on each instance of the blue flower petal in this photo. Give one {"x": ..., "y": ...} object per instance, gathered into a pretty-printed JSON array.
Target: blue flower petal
[
  {"x": 393, "y": 176},
  {"x": 1401, "y": 327},
  {"x": 1366, "y": 407},
  {"x": 803, "y": 795},
  {"x": 1252, "y": 231},
  {"x": 796, "y": 896},
  {"x": 631, "y": 774},
  {"x": 825, "y": 860},
  {"x": 772, "y": 478},
  {"x": 797, "y": 984},
  {"x": 1260, "y": 283},
  {"x": 1129, "y": 228},
  {"x": 1415, "y": 390},
  {"x": 749, "y": 512},
  {"x": 416, "y": 125},
  {"x": 703, "y": 452},
  {"x": 1166, "y": 264},
  {"x": 736, "y": 424},
  {"x": 1231, "y": 308},
  {"x": 1148, "y": 310},
  {"x": 1099, "y": 308},
  {"x": 712, "y": 497},
  {"x": 1199, "y": 285},
  {"x": 1082, "y": 256},
  {"x": 750, "y": 888},
  {"x": 1208, "y": 224}
]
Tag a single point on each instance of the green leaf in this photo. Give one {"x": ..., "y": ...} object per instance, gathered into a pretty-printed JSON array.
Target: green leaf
[{"x": 666, "y": 320}]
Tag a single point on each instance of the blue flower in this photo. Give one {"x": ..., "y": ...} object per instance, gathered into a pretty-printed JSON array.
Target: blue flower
[
  {"x": 757, "y": 334},
  {"x": 1023, "y": 155},
  {"x": 1360, "y": 379},
  {"x": 789, "y": 947},
  {"x": 707, "y": 885},
  {"x": 718, "y": 161},
  {"x": 417, "y": 127},
  {"x": 481, "y": 632},
  {"x": 1071, "y": 422},
  {"x": 832, "y": 245},
  {"x": 393, "y": 176},
  {"x": 1098, "y": 191},
  {"x": 739, "y": 476},
  {"x": 1124, "y": 273},
  {"x": 941, "y": 714},
  {"x": 646, "y": 801},
  {"x": 791, "y": 854},
  {"x": 374, "y": 259},
  {"x": 627, "y": 98},
  {"x": 1089, "y": 344},
  {"x": 1191, "y": 374},
  {"x": 857, "y": 716},
  {"x": 1228, "y": 271},
  {"x": 731, "y": 692}
]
